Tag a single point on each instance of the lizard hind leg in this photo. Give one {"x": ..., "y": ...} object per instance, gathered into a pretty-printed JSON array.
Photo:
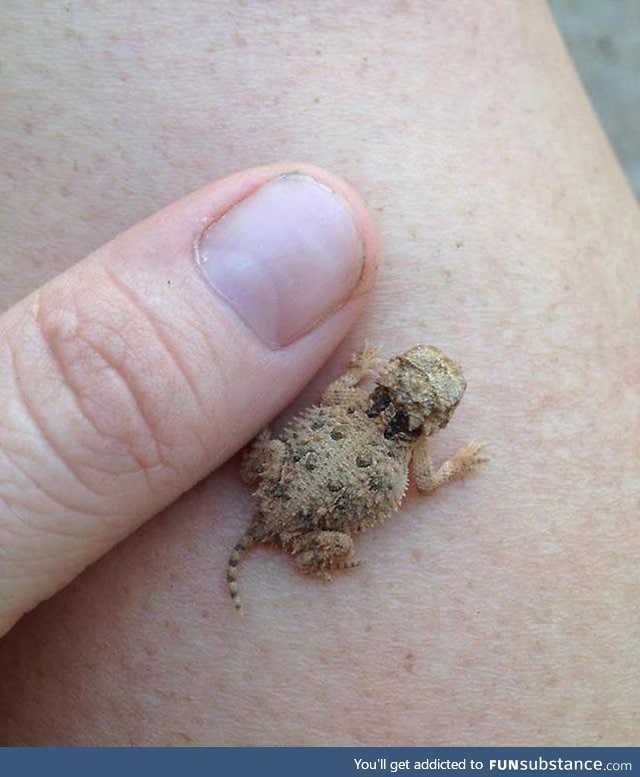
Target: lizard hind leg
[
  {"x": 263, "y": 458},
  {"x": 240, "y": 550},
  {"x": 320, "y": 551}
]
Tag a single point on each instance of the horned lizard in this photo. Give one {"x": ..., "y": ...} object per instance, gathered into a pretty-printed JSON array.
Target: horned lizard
[{"x": 342, "y": 466}]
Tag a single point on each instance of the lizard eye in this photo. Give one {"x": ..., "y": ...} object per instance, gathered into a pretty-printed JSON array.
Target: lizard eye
[
  {"x": 414, "y": 427},
  {"x": 379, "y": 400},
  {"x": 403, "y": 426}
]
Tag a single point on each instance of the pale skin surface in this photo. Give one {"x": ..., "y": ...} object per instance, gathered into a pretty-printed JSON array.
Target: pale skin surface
[{"x": 502, "y": 610}]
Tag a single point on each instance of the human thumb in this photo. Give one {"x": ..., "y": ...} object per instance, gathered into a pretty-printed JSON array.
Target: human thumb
[{"x": 128, "y": 378}]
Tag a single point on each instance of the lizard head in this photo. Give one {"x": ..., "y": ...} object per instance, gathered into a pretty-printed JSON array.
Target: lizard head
[{"x": 416, "y": 393}]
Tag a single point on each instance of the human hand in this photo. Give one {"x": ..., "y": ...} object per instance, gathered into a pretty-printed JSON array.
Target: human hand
[{"x": 128, "y": 378}]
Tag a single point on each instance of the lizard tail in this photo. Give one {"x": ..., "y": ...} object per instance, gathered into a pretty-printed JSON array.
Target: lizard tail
[{"x": 242, "y": 547}]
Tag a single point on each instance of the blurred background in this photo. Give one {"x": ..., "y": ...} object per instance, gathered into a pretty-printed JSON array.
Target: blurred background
[{"x": 603, "y": 37}]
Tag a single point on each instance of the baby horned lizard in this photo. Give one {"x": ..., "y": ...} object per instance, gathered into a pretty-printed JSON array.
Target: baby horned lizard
[{"x": 342, "y": 466}]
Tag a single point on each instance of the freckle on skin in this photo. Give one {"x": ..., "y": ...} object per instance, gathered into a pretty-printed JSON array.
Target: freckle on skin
[{"x": 408, "y": 661}]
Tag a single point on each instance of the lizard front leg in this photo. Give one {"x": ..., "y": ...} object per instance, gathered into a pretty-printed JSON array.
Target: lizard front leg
[
  {"x": 343, "y": 389},
  {"x": 463, "y": 462}
]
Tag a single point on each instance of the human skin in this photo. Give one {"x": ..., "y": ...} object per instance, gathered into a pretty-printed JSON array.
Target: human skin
[{"x": 502, "y": 610}]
